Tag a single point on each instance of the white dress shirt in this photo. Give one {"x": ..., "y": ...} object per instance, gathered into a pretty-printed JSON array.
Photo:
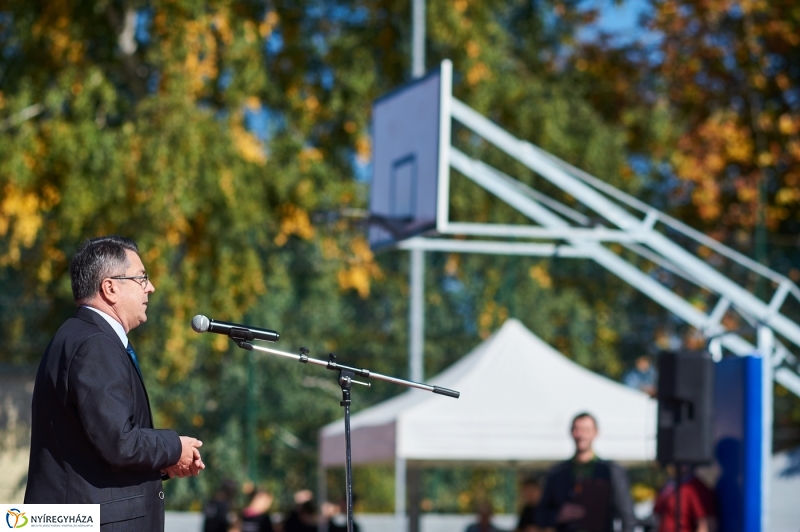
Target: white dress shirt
[{"x": 117, "y": 326}]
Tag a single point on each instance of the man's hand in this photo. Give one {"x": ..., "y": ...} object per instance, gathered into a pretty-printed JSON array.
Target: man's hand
[
  {"x": 190, "y": 463},
  {"x": 570, "y": 512}
]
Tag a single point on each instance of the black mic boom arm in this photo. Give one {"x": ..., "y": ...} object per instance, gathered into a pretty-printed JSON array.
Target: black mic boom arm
[{"x": 333, "y": 365}]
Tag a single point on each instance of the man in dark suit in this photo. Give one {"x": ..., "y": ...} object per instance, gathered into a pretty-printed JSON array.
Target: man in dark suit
[
  {"x": 585, "y": 494},
  {"x": 92, "y": 436}
]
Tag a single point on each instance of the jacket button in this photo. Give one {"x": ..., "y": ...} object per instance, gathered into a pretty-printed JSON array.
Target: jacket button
[{"x": 161, "y": 495}]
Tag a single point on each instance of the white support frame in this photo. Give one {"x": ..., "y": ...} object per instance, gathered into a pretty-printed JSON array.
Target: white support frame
[
  {"x": 445, "y": 126},
  {"x": 639, "y": 235}
]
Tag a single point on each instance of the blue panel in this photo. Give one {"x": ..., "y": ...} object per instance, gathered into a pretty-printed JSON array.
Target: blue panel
[
  {"x": 729, "y": 436},
  {"x": 753, "y": 416},
  {"x": 737, "y": 432}
]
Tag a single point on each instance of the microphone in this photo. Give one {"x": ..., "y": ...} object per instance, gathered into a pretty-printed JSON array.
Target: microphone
[{"x": 203, "y": 324}]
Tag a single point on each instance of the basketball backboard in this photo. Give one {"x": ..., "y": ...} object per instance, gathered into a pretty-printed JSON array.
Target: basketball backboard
[{"x": 411, "y": 131}]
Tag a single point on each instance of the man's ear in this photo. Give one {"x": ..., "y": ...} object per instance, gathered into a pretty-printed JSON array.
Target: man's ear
[{"x": 109, "y": 290}]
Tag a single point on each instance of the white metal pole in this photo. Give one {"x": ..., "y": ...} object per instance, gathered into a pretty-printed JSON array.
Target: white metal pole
[
  {"x": 416, "y": 316},
  {"x": 766, "y": 347},
  {"x": 400, "y": 493},
  {"x": 322, "y": 494},
  {"x": 418, "y": 38},
  {"x": 417, "y": 276}
]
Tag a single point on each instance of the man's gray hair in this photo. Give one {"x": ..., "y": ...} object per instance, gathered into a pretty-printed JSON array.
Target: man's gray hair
[{"x": 97, "y": 259}]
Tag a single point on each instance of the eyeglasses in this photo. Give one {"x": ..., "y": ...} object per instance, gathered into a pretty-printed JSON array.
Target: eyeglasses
[{"x": 141, "y": 279}]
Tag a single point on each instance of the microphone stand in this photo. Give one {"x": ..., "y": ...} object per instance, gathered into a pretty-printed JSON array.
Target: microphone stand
[{"x": 244, "y": 338}]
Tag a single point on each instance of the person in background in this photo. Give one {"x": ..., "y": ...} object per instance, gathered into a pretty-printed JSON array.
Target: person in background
[
  {"x": 696, "y": 504},
  {"x": 255, "y": 516},
  {"x": 303, "y": 518},
  {"x": 484, "y": 523},
  {"x": 338, "y": 517},
  {"x": 585, "y": 493},
  {"x": 642, "y": 376},
  {"x": 217, "y": 512},
  {"x": 531, "y": 495}
]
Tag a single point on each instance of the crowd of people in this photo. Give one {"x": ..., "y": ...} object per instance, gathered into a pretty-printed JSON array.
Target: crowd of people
[
  {"x": 222, "y": 515},
  {"x": 582, "y": 494}
]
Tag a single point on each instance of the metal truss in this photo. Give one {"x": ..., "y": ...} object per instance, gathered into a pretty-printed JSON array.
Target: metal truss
[{"x": 639, "y": 234}]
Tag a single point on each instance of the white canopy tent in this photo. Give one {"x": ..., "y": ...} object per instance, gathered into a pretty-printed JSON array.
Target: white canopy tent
[{"x": 518, "y": 396}]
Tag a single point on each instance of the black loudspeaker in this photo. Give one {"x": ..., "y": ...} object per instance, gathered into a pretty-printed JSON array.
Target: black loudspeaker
[{"x": 685, "y": 408}]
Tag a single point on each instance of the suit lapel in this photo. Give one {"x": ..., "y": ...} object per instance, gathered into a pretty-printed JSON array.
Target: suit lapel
[{"x": 91, "y": 316}]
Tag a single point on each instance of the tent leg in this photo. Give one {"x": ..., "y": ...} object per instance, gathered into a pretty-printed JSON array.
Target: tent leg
[
  {"x": 322, "y": 494},
  {"x": 766, "y": 347},
  {"x": 400, "y": 494},
  {"x": 413, "y": 479}
]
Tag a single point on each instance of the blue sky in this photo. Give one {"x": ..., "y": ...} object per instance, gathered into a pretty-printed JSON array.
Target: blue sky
[{"x": 619, "y": 18}]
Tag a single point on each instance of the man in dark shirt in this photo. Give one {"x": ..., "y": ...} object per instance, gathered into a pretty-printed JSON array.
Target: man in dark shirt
[{"x": 585, "y": 494}]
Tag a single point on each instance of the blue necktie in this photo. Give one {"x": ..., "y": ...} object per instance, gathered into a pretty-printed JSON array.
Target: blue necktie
[{"x": 132, "y": 354}]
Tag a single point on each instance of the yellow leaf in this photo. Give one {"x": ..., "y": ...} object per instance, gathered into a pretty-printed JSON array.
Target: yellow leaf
[
  {"x": 294, "y": 221},
  {"x": 361, "y": 268},
  {"x": 223, "y": 27},
  {"x": 356, "y": 278},
  {"x": 787, "y": 195},
  {"x": 20, "y": 219},
  {"x": 786, "y": 125},
  {"x": 472, "y": 49},
  {"x": 783, "y": 81},
  {"x": 477, "y": 73},
  {"x": 308, "y": 156},
  {"x": 540, "y": 274},
  {"x": 363, "y": 149},
  {"x": 312, "y": 103},
  {"x": 451, "y": 267},
  {"x": 248, "y": 146},
  {"x": 268, "y": 25}
]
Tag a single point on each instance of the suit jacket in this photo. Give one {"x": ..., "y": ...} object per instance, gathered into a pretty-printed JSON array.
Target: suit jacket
[
  {"x": 560, "y": 486},
  {"x": 92, "y": 436}
]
